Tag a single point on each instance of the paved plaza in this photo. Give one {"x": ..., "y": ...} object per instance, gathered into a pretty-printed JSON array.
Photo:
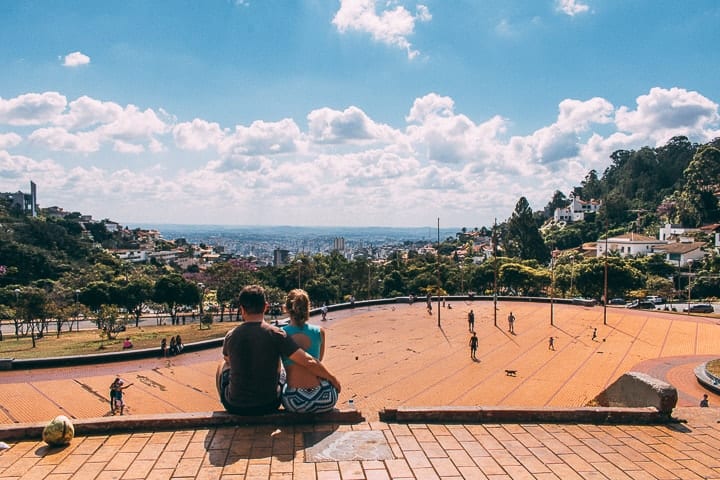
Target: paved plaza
[{"x": 393, "y": 356}]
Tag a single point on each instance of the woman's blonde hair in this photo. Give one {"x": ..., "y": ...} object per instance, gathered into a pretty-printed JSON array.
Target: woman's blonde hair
[{"x": 297, "y": 305}]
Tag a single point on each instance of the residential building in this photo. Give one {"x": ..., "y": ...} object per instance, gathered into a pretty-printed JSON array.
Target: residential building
[
  {"x": 629, "y": 244},
  {"x": 576, "y": 211},
  {"x": 680, "y": 253}
]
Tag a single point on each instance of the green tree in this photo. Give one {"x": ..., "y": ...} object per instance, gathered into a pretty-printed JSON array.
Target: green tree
[
  {"x": 172, "y": 291},
  {"x": 523, "y": 237}
]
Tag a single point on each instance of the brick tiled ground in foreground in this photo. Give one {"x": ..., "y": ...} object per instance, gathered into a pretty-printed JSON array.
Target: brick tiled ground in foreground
[{"x": 398, "y": 356}]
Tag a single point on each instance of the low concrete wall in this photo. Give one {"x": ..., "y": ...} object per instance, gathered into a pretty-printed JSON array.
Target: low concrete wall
[
  {"x": 499, "y": 414},
  {"x": 179, "y": 421},
  {"x": 635, "y": 389}
]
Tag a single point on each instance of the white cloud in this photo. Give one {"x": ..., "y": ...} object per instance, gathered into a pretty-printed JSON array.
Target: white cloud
[
  {"x": 32, "y": 108},
  {"x": 345, "y": 161},
  {"x": 197, "y": 135},
  {"x": 125, "y": 147},
  {"x": 75, "y": 59},
  {"x": 571, "y": 7},
  {"x": 59, "y": 139},
  {"x": 262, "y": 138},
  {"x": 351, "y": 125},
  {"x": 86, "y": 112},
  {"x": 8, "y": 140},
  {"x": 391, "y": 26},
  {"x": 664, "y": 113}
]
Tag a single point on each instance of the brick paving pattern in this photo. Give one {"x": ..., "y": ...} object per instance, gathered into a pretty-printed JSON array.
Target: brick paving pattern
[{"x": 393, "y": 356}]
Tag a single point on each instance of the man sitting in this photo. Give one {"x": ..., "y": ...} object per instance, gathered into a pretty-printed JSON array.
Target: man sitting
[{"x": 248, "y": 381}]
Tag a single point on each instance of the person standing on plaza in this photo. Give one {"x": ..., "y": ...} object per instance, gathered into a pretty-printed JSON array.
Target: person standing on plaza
[
  {"x": 594, "y": 335},
  {"x": 471, "y": 321},
  {"x": 473, "y": 346},
  {"x": 248, "y": 380},
  {"x": 551, "y": 343},
  {"x": 304, "y": 392},
  {"x": 511, "y": 323},
  {"x": 704, "y": 402}
]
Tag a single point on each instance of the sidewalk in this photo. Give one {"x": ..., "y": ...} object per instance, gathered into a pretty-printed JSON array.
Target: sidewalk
[{"x": 397, "y": 356}]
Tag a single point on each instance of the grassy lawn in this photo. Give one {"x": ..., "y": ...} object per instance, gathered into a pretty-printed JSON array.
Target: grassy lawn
[{"x": 89, "y": 341}]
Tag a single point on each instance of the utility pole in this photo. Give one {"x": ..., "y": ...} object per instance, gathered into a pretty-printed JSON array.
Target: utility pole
[
  {"x": 437, "y": 267},
  {"x": 605, "y": 293},
  {"x": 495, "y": 279}
]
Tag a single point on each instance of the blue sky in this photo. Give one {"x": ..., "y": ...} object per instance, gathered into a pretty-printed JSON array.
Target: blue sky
[{"x": 351, "y": 112}]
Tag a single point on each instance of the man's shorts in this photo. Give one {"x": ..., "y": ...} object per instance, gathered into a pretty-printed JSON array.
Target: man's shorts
[
  {"x": 223, "y": 380},
  {"x": 310, "y": 400}
]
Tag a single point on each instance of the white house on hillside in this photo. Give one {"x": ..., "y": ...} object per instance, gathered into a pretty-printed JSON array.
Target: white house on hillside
[
  {"x": 679, "y": 253},
  {"x": 676, "y": 232},
  {"x": 629, "y": 244},
  {"x": 575, "y": 212}
]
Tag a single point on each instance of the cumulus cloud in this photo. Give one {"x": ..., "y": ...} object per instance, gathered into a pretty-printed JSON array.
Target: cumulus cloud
[
  {"x": 571, "y": 7},
  {"x": 664, "y": 113},
  {"x": 75, "y": 59},
  {"x": 351, "y": 125},
  {"x": 391, "y": 26},
  {"x": 262, "y": 138},
  {"x": 343, "y": 159},
  {"x": 8, "y": 140},
  {"x": 86, "y": 112},
  {"x": 32, "y": 108},
  {"x": 59, "y": 139},
  {"x": 197, "y": 135},
  {"x": 441, "y": 135}
]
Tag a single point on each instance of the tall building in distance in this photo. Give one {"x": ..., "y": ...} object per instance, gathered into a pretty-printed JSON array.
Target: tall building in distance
[
  {"x": 280, "y": 257},
  {"x": 339, "y": 244},
  {"x": 25, "y": 202}
]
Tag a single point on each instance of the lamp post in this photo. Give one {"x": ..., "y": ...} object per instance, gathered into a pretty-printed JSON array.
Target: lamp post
[
  {"x": 605, "y": 288},
  {"x": 689, "y": 287},
  {"x": 462, "y": 280},
  {"x": 299, "y": 264},
  {"x": 201, "y": 287},
  {"x": 555, "y": 254},
  {"x": 77, "y": 299}
]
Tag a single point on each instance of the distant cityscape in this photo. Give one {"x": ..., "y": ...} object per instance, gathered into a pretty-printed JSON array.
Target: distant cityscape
[{"x": 263, "y": 242}]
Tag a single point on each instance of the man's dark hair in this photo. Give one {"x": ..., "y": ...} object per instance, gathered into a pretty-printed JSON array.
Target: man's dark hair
[{"x": 252, "y": 299}]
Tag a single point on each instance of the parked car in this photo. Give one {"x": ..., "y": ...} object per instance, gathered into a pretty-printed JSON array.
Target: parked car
[
  {"x": 641, "y": 304},
  {"x": 657, "y": 300},
  {"x": 700, "y": 308},
  {"x": 585, "y": 302},
  {"x": 617, "y": 301}
]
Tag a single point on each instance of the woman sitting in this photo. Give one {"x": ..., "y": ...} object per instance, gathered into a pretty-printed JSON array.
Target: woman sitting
[
  {"x": 127, "y": 343},
  {"x": 305, "y": 392}
]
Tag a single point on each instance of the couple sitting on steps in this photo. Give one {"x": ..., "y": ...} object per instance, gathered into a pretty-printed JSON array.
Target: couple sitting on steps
[{"x": 249, "y": 381}]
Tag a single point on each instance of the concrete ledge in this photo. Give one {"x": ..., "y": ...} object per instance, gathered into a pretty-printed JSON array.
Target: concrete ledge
[
  {"x": 95, "y": 358},
  {"x": 179, "y": 421},
  {"x": 590, "y": 415},
  {"x": 706, "y": 379}
]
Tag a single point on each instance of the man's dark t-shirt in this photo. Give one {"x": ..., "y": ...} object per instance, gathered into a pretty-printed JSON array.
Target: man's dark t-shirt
[{"x": 254, "y": 350}]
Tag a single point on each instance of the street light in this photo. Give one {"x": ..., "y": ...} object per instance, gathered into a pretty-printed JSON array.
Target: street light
[
  {"x": 201, "y": 286},
  {"x": 689, "y": 287},
  {"x": 77, "y": 299},
  {"x": 299, "y": 264},
  {"x": 555, "y": 254}
]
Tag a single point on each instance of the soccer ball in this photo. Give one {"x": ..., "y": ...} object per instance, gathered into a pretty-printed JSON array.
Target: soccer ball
[{"x": 59, "y": 431}]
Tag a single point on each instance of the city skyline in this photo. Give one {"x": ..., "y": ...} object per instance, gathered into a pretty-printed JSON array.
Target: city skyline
[{"x": 348, "y": 113}]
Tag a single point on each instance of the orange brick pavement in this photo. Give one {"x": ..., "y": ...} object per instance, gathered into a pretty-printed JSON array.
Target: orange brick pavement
[{"x": 396, "y": 355}]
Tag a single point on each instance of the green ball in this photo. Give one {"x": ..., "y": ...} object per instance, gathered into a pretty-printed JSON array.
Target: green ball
[{"x": 59, "y": 431}]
